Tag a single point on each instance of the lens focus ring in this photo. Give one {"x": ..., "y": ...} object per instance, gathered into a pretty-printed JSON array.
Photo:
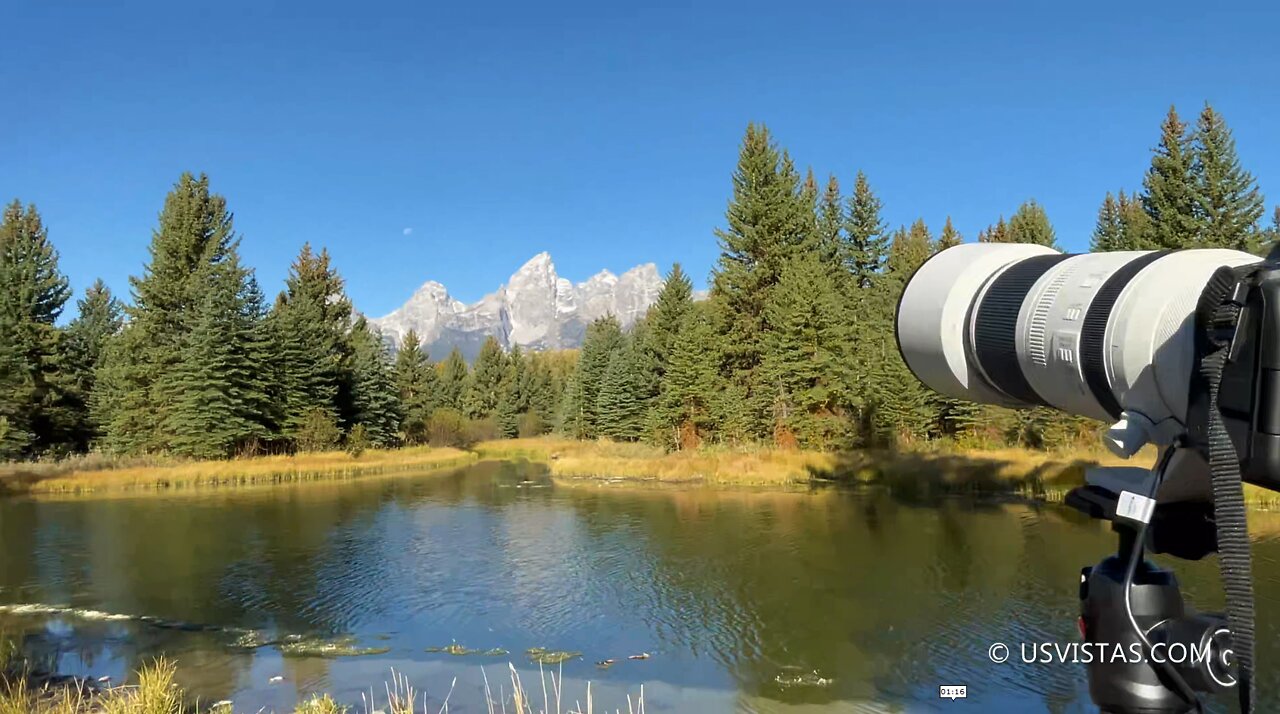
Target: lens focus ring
[{"x": 995, "y": 326}]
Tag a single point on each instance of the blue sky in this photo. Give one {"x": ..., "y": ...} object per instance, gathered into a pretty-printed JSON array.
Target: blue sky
[{"x": 453, "y": 141}]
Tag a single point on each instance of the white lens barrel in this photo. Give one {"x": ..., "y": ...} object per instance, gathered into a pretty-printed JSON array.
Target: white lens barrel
[
  {"x": 934, "y": 311},
  {"x": 1094, "y": 334},
  {"x": 1050, "y": 342},
  {"x": 1151, "y": 335}
]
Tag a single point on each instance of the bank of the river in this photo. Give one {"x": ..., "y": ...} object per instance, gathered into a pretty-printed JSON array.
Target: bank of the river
[
  {"x": 97, "y": 475},
  {"x": 1046, "y": 475}
]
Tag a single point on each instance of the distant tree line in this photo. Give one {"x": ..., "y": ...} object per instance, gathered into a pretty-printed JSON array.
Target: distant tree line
[{"x": 793, "y": 346}]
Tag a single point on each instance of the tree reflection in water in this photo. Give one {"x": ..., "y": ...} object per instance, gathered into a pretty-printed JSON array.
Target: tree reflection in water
[{"x": 751, "y": 599}]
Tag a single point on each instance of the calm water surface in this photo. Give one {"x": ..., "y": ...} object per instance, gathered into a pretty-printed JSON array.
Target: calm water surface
[{"x": 823, "y": 601}]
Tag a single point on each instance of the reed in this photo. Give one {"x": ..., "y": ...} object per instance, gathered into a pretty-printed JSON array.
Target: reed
[
  {"x": 157, "y": 692},
  {"x": 86, "y": 475}
]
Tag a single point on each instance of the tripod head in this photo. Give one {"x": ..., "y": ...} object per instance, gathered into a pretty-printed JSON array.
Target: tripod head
[{"x": 1131, "y": 606}]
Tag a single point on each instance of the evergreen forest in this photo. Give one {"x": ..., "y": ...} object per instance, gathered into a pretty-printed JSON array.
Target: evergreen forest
[{"x": 792, "y": 347}]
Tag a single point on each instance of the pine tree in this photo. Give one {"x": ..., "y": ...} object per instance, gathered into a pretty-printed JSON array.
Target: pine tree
[
  {"x": 1169, "y": 188},
  {"x": 1122, "y": 225},
  {"x": 374, "y": 398},
  {"x": 655, "y": 336},
  {"x": 668, "y": 311},
  {"x": 604, "y": 337},
  {"x": 453, "y": 380},
  {"x": 219, "y": 398},
  {"x": 515, "y": 380},
  {"x": 868, "y": 240},
  {"x": 309, "y": 323},
  {"x": 195, "y": 233},
  {"x": 1108, "y": 232},
  {"x": 100, "y": 317},
  {"x": 807, "y": 357},
  {"x": 831, "y": 225},
  {"x": 619, "y": 412},
  {"x": 507, "y": 417},
  {"x": 1227, "y": 197},
  {"x": 41, "y": 409},
  {"x": 1135, "y": 224},
  {"x": 541, "y": 390},
  {"x": 485, "y": 386},
  {"x": 646, "y": 366},
  {"x": 998, "y": 233},
  {"x": 901, "y": 408},
  {"x": 418, "y": 386},
  {"x": 908, "y": 251},
  {"x": 684, "y": 413},
  {"x": 1030, "y": 224},
  {"x": 949, "y": 237},
  {"x": 768, "y": 221},
  {"x": 809, "y": 199}
]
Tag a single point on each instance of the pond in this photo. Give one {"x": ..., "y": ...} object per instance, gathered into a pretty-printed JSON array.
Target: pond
[{"x": 743, "y": 600}]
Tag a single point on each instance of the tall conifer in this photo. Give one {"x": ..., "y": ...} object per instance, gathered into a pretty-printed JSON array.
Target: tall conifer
[
  {"x": 1227, "y": 197},
  {"x": 949, "y": 237},
  {"x": 454, "y": 377},
  {"x": 1169, "y": 188},
  {"x": 866, "y": 234},
  {"x": 40, "y": 410},
  {"x": 195, "y": 235},
  {"x": 1030, "y": 224},
  {"x": 310, "y": 323},
  {"x": 100, "y": 318},
  {"x": 418, "y": 386},
  {"x": 486, "y": 384},
  {"x": 374, "y": 398}
]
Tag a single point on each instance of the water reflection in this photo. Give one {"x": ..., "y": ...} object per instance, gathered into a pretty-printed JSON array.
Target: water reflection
[{"x": 757, "y": 601}]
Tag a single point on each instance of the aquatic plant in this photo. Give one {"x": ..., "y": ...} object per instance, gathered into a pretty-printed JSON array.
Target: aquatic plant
[
  {"x": 303, "y": 646},
  {"x": 460, "y": 651},
  {"x": 542, "y": 655}
]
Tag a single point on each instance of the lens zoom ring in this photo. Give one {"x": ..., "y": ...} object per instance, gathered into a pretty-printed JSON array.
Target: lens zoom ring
[
  {"x": 995, "y": 326},
  {"x": 1094, "y": 331}
]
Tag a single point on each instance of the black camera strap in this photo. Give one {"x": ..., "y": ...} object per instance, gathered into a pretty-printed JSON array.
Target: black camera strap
[{"x": 1217, "y": 317}]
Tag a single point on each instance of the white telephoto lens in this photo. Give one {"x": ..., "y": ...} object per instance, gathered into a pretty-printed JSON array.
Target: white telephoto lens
[
  {"x": 934, "y": 315},
  {"x": 1095, "y": 334}
]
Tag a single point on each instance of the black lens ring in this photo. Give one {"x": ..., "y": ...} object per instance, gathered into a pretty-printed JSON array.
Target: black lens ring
[
  {"x": 1093, "y": 332},
  {"x": 995, "y": 326}
]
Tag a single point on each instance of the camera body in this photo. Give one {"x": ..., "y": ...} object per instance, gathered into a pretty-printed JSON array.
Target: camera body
[{"x": 1249, "y": 396}]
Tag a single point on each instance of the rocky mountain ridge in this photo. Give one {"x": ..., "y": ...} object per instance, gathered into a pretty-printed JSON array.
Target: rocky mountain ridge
[{"x": 535, "y": 309}]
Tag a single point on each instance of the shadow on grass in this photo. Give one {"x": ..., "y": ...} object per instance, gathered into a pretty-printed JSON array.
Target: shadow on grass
[
  {"x": 924, "y": 476},
  {"x": 18, "y": 481}
]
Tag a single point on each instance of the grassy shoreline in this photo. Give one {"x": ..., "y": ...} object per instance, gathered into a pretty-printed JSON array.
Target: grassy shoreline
[
  {"x": 927, "y": 471},
  {"x": 91, "y": 475},
  {"x": 23, "y": 691},
  {"x": 1044, "y": 475}
]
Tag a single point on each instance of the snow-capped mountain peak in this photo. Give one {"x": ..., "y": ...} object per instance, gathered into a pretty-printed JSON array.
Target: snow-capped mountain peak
[{"x": 535, "y": 309}]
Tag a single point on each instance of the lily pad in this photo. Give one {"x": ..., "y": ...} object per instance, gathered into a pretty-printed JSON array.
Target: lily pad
[
  {"x": 796, "y": 677},
  {"x": 461, "y": 651},
  {"x": 296, "y": 646},
  {"x": 251, "y": 640},
  {"x": 542, "y": 655}
]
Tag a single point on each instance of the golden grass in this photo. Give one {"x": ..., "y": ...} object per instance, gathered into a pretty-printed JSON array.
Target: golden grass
[
  {"x": 937, "y": 469},
  {"x": 593, "y": 459},
  {"x": 165, "y": 475}
]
